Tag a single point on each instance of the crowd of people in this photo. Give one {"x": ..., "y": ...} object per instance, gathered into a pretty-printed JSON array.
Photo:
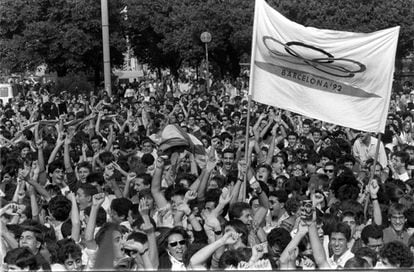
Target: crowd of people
[{"x": 86, "y": 185}]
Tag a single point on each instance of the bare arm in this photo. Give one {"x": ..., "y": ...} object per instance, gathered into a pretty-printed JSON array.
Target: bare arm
[
  {"x": 97, "y": 201},
  {"x": 156, "y": 185}
]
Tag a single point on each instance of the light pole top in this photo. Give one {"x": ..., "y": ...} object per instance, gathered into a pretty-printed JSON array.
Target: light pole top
[{"x": 205, "y": 37}]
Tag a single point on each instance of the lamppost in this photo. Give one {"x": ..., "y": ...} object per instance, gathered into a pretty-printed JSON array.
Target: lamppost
[{"x": 206, "y": 38}]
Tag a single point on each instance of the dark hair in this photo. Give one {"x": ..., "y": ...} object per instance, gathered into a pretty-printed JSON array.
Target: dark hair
[
  {"x": 397, "y": 254},
  {"x": 371, "y": 231},
  {"x": 281, "y": 196},
  {"x": 240, "y": 228},
  {"x": 88, "y": 189},
  {"x": 85, "y": 165},
  {"x": 236, "y": 210},
  {"x": 67, "y": 248},
  {"x": 138, "y": 237},
  {"x": 280, "y": 237},
  {"x": 367, "y": 252},
  {"x": 176, "y": 230},
  {"x": 230, "y": 257},
  {"x": 109, "y": 226},
  {"x": 342, "y": 228},
  {"x": 97, "y": 137},
  {"x": 405, "y": 157},
  {"x": 60, "y": 207},
  {"x": 95, "y": 177},
  {"x": 22, "y": 257},
  {"x": 356, "y": 262},
  {"x": 121, "y": 206},
  {"x": 57, "y": 164},
  {"x": 101, "y": 217}
]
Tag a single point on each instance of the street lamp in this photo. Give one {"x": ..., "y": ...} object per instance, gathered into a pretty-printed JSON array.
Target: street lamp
[{"x": 206, "y": 38}]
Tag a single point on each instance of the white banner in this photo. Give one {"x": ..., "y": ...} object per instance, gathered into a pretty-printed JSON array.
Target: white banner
[{"x": 339, "y": 77}]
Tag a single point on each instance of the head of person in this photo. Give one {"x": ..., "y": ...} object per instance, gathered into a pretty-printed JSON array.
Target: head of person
[
  {"x": 356, "y": 262},
  {"x": 56, "y": 171},
  {"x": 373, "y": 237},
  {"x": 277, "y": 240},
  {"x": 277, "y": 201},
  {"x": 59, "y": 208},
  {"x": 397, "y": 217},
  {"x": 241, "y": 211},
  {"x": 147, "y": 146},
  {"x": 110, "y": 234},
  {"x": 228, "y": 159},
  {"x": 142, "y": 181},
  {"x": 138, "y": 237},
  {"x": 177, "y": 243},
  {"x": 263, "y": 172},
  {"x": 349, "y": 217},
  {"x": 368, "y": 254},
  {"x": 339, "y": 238},
  {"x": 20, "y": 259},
  {"x": 69, "y": 254},
  {"x": 400, "y": 159},
  {"x": 278, "y": 164},
  {"x": 84, "y": 195},
  {"x": 96, "y": 179},
  {"x": 317, "y": 135},
  {"x": 329, "y": 169},
  {"x": 240, "y": 228},
  {"x": 84, "y": 169},
  {"x": 32, "y": 238},
  {"x": 395, "y": 254},
  {"x": 119, "y": 209},
  {"x": 97, "y": 143}
]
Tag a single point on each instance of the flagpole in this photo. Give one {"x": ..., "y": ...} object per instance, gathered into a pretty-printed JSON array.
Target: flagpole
[
  {"x": 375, "y": 157},
  {"x": 249, "y": 98}
]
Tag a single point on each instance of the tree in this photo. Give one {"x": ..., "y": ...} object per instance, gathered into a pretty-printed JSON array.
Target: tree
[
  {"x": 165, "y": 33},
  {"x": 64, "y": 34}
]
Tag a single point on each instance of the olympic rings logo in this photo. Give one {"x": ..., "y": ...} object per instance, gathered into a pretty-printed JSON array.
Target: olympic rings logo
[{"x": 325, "y": 62}]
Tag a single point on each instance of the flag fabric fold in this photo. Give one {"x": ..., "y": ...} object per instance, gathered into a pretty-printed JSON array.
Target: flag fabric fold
[
  {"x": 339, "y": 77},
  {"x": 174, "y": 138}
]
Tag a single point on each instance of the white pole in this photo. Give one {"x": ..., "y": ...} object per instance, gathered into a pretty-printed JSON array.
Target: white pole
[{"x": 105, "y": 45}]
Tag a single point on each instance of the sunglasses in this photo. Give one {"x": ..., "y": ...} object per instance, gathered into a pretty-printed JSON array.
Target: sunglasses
[
  {"x": 174, "y": 244},
  {"x": 329, "y": 170}
]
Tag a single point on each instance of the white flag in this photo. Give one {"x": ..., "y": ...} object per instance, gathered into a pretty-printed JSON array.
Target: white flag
[{"x": 339, "y": 77}]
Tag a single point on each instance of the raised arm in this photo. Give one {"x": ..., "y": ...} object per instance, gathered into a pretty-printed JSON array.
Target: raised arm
[
  {"x": 74, "y": 217},
  {"x": 373, "y": 189},
  {"x": 156, "y": 184},
  {"x": 66, "y": 156},
  {"x": 97, "y": 201},
  {"x": 201, "y": 256},
  {"x": 148, "y": 228},
  {"x": 286, "y": 260}
]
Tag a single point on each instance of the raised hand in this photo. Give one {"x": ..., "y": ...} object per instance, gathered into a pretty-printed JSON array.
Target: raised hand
[
  {"x": 183, "y": 207},
  {"x": 373, "y": 188},
  {"x": 98, "y": 199},
  {"x": 10, "y": 209},
  {"x": 211, "y": 164},
  {"x": 131, "y": 176},
  {"x": 230, "y": 238},
  {"x": 160, "y": 162},
  {"x": 225, "y": 196},
  {"x": 143, "y": 208},
  {"x": 190, "y": 195}
]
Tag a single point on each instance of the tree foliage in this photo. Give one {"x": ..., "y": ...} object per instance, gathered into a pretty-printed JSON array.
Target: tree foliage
[{"x": 65, "y": 34}]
